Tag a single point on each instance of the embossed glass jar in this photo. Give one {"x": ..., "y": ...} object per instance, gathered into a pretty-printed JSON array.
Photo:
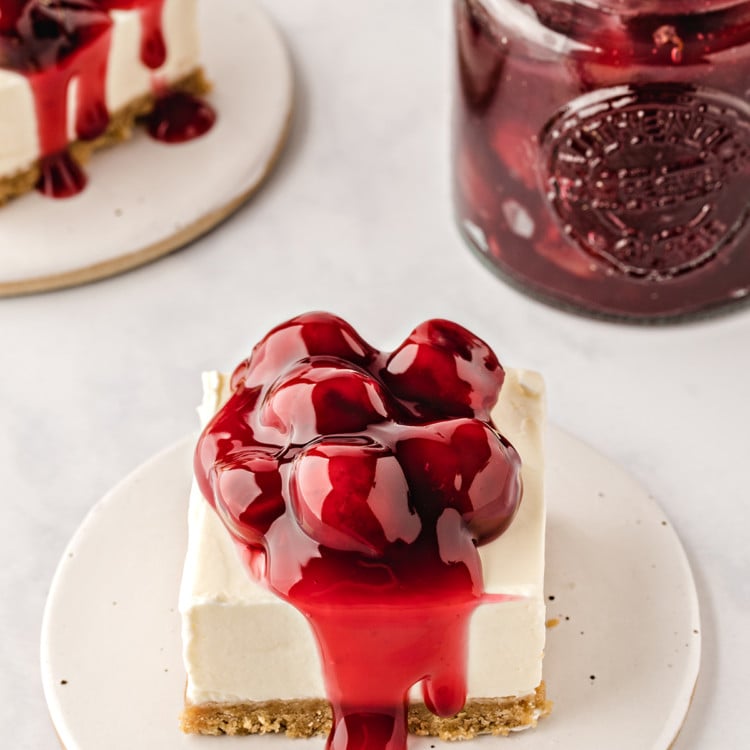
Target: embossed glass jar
[{"x": 602, "y": 150}]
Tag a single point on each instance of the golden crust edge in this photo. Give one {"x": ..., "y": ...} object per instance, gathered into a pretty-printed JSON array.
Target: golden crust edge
[{"x": 309, "y": 717}]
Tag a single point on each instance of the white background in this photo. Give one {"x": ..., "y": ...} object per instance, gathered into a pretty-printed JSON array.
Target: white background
[{"x": 357, "y": 220}]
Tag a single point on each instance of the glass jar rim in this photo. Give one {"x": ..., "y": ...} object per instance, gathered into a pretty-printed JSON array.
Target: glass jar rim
[{"x": 628, "y": 7}]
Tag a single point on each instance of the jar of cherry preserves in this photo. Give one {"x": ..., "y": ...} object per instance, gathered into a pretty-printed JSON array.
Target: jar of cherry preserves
[{"x": 602, "y": 150}]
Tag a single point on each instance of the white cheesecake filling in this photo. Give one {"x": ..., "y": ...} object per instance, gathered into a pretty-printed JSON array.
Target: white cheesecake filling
[
  {"x": 241, "y": 643},
  {"x": 127, "y": 79},
  {"x": 19, "y": 138}
]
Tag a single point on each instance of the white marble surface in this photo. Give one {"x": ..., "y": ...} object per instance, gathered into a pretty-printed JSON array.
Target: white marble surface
[{"x": 357, "y": 220}]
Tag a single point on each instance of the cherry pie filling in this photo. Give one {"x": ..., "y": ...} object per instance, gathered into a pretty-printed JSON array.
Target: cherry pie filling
[{"x": 358, "y": 485}]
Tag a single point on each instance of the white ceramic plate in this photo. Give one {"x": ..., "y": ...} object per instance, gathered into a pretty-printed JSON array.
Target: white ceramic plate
[
  {"x": 620, "y": 666},
  {"x": 145, "y": 198}
]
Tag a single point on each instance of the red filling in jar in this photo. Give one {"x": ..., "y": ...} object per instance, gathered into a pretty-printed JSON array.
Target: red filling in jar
[{"x": 602, "y": 151}]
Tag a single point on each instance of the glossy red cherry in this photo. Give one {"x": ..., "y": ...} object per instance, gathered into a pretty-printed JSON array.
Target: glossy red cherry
[
  {"x": 243, "y": 484},
  {"x": 248, "y": 495},
  {"x": 447, "y": 369},
  {"x": 351, "y": 495},
  {"x": 323, "y": 396},
  {"x": 464, "y": 464},
  {"x": 308, "y": 335},
  {"x": 51, "y": 30}
]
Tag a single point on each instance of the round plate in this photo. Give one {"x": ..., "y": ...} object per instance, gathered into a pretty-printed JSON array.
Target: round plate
[
  {"x": 620, "y": 664},
  {"x": 145, "y": 199}
]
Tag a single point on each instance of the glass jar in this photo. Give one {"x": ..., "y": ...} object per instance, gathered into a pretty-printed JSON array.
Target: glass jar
[{"x": 602, "y": 150}]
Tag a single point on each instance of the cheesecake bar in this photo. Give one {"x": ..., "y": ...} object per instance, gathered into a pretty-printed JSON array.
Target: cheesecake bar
[
  {"x": 252, "y": 660},
  {"x": 76, "y": 74}
]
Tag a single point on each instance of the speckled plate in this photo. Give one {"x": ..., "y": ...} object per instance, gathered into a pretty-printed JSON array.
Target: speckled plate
[
  {"x": 145, "y": 199},
  {"x": 623, "y": 645}
]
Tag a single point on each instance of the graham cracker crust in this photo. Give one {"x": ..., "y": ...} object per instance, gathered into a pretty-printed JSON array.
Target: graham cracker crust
[
  {"x": 120, "y": 129},
  {"x": 309, "y": 717}
]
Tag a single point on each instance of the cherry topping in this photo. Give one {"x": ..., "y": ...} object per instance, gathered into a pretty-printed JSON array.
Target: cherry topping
[
  {"x": 464, "y": 464},
  {"x": 364, "y": 482},
  {"x": 322, "y": 396},
  {"x": 311, "y": 334},
  {"x": 248, "y": 494},
  {"x": 38, "y": 34},
  {"x": 446, "y": 370},
  {"x": 351, "y": 494}
]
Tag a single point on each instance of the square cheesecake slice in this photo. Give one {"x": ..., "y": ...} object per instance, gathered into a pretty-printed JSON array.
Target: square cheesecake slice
[{"x": 252, "y": 662}]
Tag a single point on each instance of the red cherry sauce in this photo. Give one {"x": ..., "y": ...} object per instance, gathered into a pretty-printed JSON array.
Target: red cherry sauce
[
  {"x": 52, "y": 43},
  {"x": 178, "y": 117},
  {"x": 153, "y": 46},
  {"x": 358, "y": 485},
  {"x": 602, "y": 150}
]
